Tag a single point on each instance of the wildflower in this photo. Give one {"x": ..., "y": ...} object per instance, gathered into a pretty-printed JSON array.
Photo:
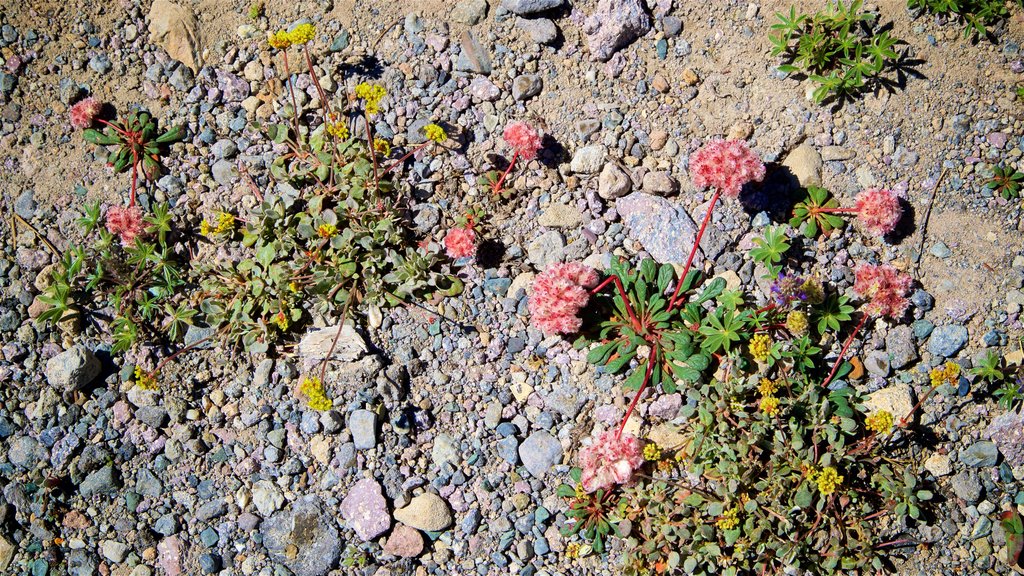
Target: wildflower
[
  {"x": 814, "y": 292},
  {"x": 761, "y": 347},
  {"x": 524, "y": 140},
  {"x": 725, "y": 165},
  {"x": 788, "y": 288},
  {"x": 281, "y": 320},
  {"x": 84, "y": 112},
  {"x": 382, "y": 146},
  {"x": 313, "y": 388},
  {"x": 144, "y": 380},
  {"x": 460, "y": 242},
  {"x": 435, "y": 133},
  {"x": 828, "y": 480},
  {"x": 225, "y": 223},
  {"x": 371, "y": 94},
  {"x": 294, "y": 287},
  {"x": 572, "y": 550},
  {"x": 880, "y": 422},
  {"x": 878, "y": 210},
  {"x": 558, "y": 295},
  {"x": 680, "y": 456},
  {"x": 205, "y": 227},
  {"x": 884, "y": 287},
  {"x": 768, "y": 387},
  {"x": 949, "y": 373},
  {"x": 326, "y": 231},
  {"x": 279, "y": 40},
  {"x": 652, "y": 452},
  {"x": 797, "y": 323},
  {"x": 730, "y": 519},
  {"x": 609, "y": 460},
  {"x": 770, "y": 406},
  {"x": 301, "y": 34},
  {"x": 125, "y": 222},
  {"x": 665, "y": 466},
  {"x": 338, "y": 129}
]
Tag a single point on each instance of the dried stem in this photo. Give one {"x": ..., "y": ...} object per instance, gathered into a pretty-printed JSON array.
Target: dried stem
[{"x": 842, "y": 352}]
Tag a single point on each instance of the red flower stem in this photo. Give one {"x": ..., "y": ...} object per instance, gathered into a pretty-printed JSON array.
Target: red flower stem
[
  {"x": 316, "y": 82},
  {"x": 906, "y": 419},
  {"x": 373, "y": 152},
  {"x": 835, "y": 210},
  {"x": 771, "y": 306},
  {"x": 842, "y": 353},
  {"x": 179, "y": 352},
  {"x": 693, "y": 251},
  {"x": 396, "y": 163},
  {"x": 497, "y": 185},
  {"x": 625, "y": 300},
  {"x": 291, "y": 89},
  {"x": 636, "y": 398}
]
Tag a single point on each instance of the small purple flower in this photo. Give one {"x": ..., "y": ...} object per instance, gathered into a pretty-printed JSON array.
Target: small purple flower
[{"x": 788, "y": 288}]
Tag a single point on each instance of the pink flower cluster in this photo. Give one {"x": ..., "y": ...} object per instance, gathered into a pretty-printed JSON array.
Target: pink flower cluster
[
  {"x": 726, "y": 165},
  {"x": 879, "y": 210},
  {"x": 523, "y": 139},
  {"x": 126, "y": 222},
  {"x": 558, "y": 295},
  {"x": 609, "y": 461},
  {"x": 84, "y": 113},
  {"x": 460, "y": 242},
  {"x": 884, "y": 287}
]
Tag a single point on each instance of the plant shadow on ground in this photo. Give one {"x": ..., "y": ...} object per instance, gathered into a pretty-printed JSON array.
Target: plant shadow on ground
[
  {"x": 906, "y": 226},
  {"x": 776, "y": 195},
  {"x": 367, "y": 66},
  {"x": 490, "y": 253}
]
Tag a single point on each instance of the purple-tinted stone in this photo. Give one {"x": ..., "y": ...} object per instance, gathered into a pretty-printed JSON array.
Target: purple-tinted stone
[
  {"x": 235, "y": 89},
  {"x": 997, "y": 139},
  {"x": 1007, "y": 431},
  {"x": 366, "y": 510},
  {"x": 664, "y": 229}
]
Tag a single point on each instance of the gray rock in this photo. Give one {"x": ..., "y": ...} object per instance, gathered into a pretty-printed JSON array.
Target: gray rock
[
  {"x": 508, "y": 449},
  {"x": 72, "y": 369},
  {"x": 981, "y": 454},
  {"x": 805, "y": 163},
  {"x": 267, "y": 497},
  {"x": 526, "y": 86},
  {"x": 147, "y": 484},
  {"x": 212, "y": 509},
  {"x": 363, "y": 426},
  {"x": 588, "y": 159},
  {"x": 428, "y": 512},
  {"x": 546, "y": 249},
  {"x": 525, "y": 7},
  {"x": 25, "y": 205},
  {"x": 1007, "y": 431},
  {"x": 540, "y": 30},
  {"x": 114, "y": 551},
  {"x": 483, "y": 89},
  {"x": 967, "y": 486},
  {"x": 946, "y": 341},
  {"x": 303, "y": 538},
  {"x": 473, "y": 57},
  {"x": 25, "y": 452},
  {"x": 877, "y": 363},
  {"x": 469, "y": 12},
  {"x": 614, "y": 25},
  {"x": 660, "y": 182},
  {"x": 233, "y": 88},
  {"x": 900, "y": 346},
  {"x": 939, "y": 465},
  {"x": 445, "y": 450},
  {"x": 365, "y": 510},
  {"x": 224, "y": 172},
  {"x": 102, "y": 481},
  {"x": 152, "y": 416},
  {"x": 314, "y": 346},
  {"x": 540, "y": 452},
  {"x": 665, "y": 230},
  {"x": 224, "y": 148},
  {"x": 895, "y": 399},
  {"x": 613, "y": 182}
]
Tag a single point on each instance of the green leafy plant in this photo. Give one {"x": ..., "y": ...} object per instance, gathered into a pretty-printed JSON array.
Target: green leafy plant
[
  {"x": 811, "y": 215},
  {"x": 1013, "y": 527},
  {"x": 594, "y": 516},
  {"x": 977, "y": 15},
  {"x": 1006, "y": 182},
  {"x": 990, "y": 369},
  {"x": 770, "y": 248},
  {"x": 837, "y": 48}
]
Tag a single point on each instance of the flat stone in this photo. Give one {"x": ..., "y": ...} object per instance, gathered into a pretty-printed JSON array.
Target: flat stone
[
  {"x": 981, "y": 454},
  {"x": 404, "y": 542},
  {"x": 314, "y": 346},
  {"x": 614, "y": 25},
  {"x": 967, "y": 486},
  {"x": 72, "y": 369},
  {"x": 1007, "y": 431},
  {"x": 946, "y": 341},
  {"x": 546, "y": 249},
  {"x": 805, "y": 163},
  {"x": 540, "y": 30},
  {"x": 588, "y": 159},
  {"x": 664, "y": 229},
  {"x": 900, "y": 346},
  {"x": 526, "y": 86},
  {"x": 267, "y": 497},
  {"x": 895, "y": 398},
  {"x": 483, "y": 89},
  {"x": 114, "y": 551},
  {"x": 303, "y": 538},
  {"x": 428, "y": 512},
  {"x": 613, "y": 182},
  {"x": 223, "y": 172},
  {"x": 660, "y": 182},
  {"x": 363, "y": 426},
  {"x": 365, "y": 510},
  {"x": 444, "y": 450},
  {"x": 939, "y": 465},
  {"x": 473, "y": 57},
  {"x": 540, "y": 452},
  {"x": 560, "y": 216},
  {"x": 526, "y": 7},
  {"x": 469, "y": 12},
  {"x": 174, "y": 28},
  {"x": 102, "y": 481}
]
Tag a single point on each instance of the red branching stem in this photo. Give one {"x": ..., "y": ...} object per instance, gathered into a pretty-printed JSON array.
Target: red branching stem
[
  {"x": 906, "y": 419},
  {"x": 398, "y": 162},
  {"x": 639, "y": 392},
  {"x": 512, "y": 163},
  {"x": 771, "y": 306},
  {"x": 842, "y": 353},
  {"x": 291, "y": 89},
  {"x": 179, "y": 352},
  {"x": 693, "y": 251},
  {"x": 625, "y": 299},
  {"x": 316, "y": 82},
  {"x": 822, "y": 210}
]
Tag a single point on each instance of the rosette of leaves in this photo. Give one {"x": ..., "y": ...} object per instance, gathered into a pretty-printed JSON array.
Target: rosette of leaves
[
  {"x": 1006, "y": 182},
  {"x": 592, "y": 515},
  {"x": 137, "y": 289},
  {"x": 138, "y": 142},
  {"x": 676, "y": 356},
  {"x": 809, "y": 218}
]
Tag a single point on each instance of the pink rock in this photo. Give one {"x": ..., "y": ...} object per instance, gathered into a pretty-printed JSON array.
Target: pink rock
[
  {"x": 169, "y": 552},
  {"x": 365, "y": 510},
  {"x": 614, "y": 25},
  {"x": 405, "y": 542}
]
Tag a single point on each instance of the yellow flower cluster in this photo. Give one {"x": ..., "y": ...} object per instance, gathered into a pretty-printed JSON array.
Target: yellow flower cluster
[
  {"x": 326, "y": 230},
  {"x": 281, "y": 320},
  {"x": 880, "y": 422},
  {"x": 382, "y": 146},
  {"x": 313, "y": 388},
  {"x": 225, "y": 223},
  {"x": 371, "y": 94},
  {"x": 435, "y": 133},
  {"x": 730, "y": 519},
  {"x": 947, "y": 374},
  {"x": 813, "y": 291},
  {"x": 797, "y": 323},
  {"x": 338, "y": 129},
  {"x": 652, "y": 452},
  {"x": 144, "y": 379},
  {"x": 300, "y": 35},
  {"x": 770, "y": 405},
  {"x": 768, "y": 387},
  {"x": 760, "y": 347},
  {"x": 572, "y": 550},
  {"x": 828, "y": 480}
]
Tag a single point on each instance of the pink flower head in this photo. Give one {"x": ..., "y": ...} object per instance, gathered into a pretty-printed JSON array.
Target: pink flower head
[
  {"x": 126, "y": 222},
  {"x": 884, "y": 287},
  {"x": 460, "y": 242},
  {"x": 558, "y": 295},
  {"x": 726, "y": 165},
  {"x": 84, "y": 112},
  {"x": 879, "y": 210},
  {"x": 609, "y": 461},
  {"x": 522, "y": 138}
]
